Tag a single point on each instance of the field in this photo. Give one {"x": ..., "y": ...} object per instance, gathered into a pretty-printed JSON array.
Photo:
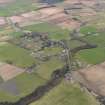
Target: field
[
  {"x": 54, "y": 31},
  {"x": 66, "y": 94},
  {"x": 30, "y": 81},
  {"x": 16, "y": 7},
  {"x": 49, "y": 67},
  {"x": 8, "y": 72},
  {"x": 31, "y": 49},
  {"x": 22, "y": 58},
  {"x": 92, "y": 77},
  {"x": 15, "y": 55},
  {"x": 94, "y": 36}
]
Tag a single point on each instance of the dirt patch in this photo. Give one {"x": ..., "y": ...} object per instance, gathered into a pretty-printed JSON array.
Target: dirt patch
[
  {"x": 4, "y": 38},
  {"x": 8, "y": 72},
  {"x": 50, "y": 10},
  {"x": 17, "y": 19},
  {"x": 93, "y": 78}
]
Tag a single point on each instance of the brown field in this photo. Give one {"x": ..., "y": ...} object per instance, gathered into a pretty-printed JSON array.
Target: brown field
[
  {"x": 51, "y": 14},
  {"x": 8, "y": 71},
  {"x": 92, "y": 77},
  {"x": 2, "y": 21},
  {"x": 87, "y": 12},
  {"x": 5, "y": 1},
  {"x": 17, "y": 19}
]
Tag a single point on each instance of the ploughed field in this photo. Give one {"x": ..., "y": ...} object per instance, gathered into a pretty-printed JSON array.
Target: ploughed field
[{"x": 92, "y": 77}]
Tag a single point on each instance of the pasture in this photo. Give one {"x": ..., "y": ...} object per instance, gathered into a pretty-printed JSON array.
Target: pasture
[
  {"x": 15, "y": 55},
  {"x": 66, "y": 94},
  {"x": 96, "y": 55},
  {"x": 55, "y": 32},
  {"x": 16, "y": 7},
  {"x": 25, "y": 84}
]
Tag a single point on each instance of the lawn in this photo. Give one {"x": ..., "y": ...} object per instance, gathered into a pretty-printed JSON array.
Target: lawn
[
  {"x": 66, "y": 94},
  {"x": 17, "y": 7},
  {"x": 16, "y": 55}
]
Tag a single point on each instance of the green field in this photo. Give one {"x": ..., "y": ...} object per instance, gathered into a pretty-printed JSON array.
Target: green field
[
  {"x": 74, "y": 43},
  {"x": 96, "y": 55},
  {"x": 16, "y": 55},
  {"x": 92, "y": 56},
  {"x": 26, "y": 83},
  {"x": 54, "y": 31},
  {"x": 17, "y": 7},
  {"x": 53, "y": 50},
  {"x": 45, "y": 70},
  {"x": 66, "y": 94},
  {"x": 98, "y": 39},
  {"x": 88, "y": 30},
  {"x": 30, "y": 81}
]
